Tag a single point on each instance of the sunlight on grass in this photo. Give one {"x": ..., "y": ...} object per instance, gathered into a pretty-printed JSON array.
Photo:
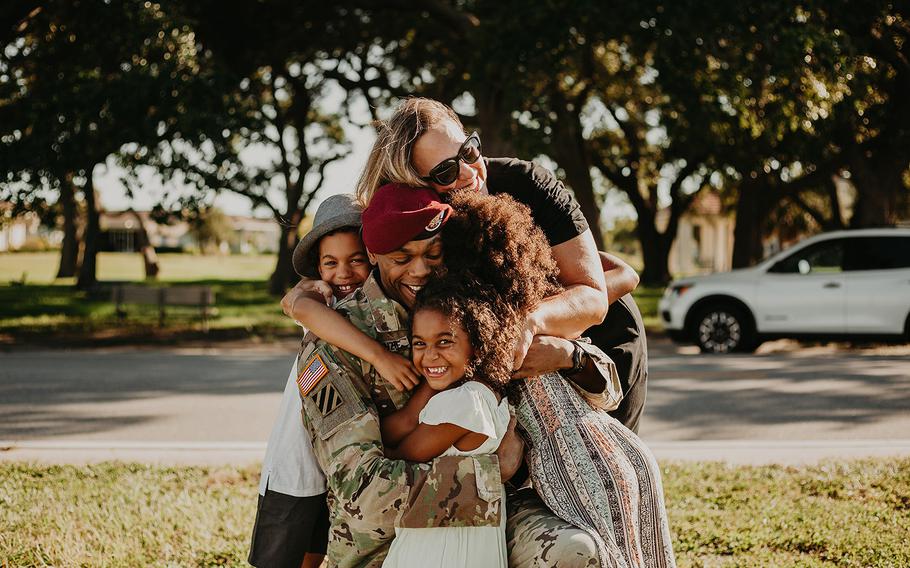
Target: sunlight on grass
[
  {"x": 852, "y": 514},
  {"x": 41, "y": 267}
]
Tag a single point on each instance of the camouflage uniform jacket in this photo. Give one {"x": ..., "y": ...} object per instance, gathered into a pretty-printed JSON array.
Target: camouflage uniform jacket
[{"x": 369, "y": 495}]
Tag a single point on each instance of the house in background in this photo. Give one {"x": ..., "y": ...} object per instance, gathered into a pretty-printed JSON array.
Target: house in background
[
  {"x": 15, "y": 232},
  {"x": 254, "y": 234},
  {"x": 250, "y": 235},
  {"x": 704, "y": 240},
  {"x": 120, "y": 232}
]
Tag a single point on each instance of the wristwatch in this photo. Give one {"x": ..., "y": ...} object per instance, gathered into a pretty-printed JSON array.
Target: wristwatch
[{"x": 579, "y": 358}]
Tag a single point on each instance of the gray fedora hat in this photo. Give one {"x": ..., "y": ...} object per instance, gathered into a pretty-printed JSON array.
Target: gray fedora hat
[{"x": 335, "y": 212}]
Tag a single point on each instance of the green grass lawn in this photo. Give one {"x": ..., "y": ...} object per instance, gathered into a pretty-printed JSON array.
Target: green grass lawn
[
  {"x": 41, "y": 267},
  {"x": 647, "y": 297},
  {"x": 43, "y": 307},
  {"x": 853, "y": 514}
]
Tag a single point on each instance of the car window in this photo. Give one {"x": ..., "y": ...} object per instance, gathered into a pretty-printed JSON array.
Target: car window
[
  {"x": 825, "y": 257},
  {"x": 877, "y": 253}
]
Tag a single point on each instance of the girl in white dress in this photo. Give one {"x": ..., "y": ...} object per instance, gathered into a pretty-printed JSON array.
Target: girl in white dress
[{"x": 457, "y": 410}]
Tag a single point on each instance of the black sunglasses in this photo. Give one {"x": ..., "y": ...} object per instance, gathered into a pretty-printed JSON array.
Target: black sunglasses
[{"x": 446, "y": 171}]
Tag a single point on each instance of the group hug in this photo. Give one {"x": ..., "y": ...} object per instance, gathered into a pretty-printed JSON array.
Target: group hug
[{"x": 471, "y": 378}]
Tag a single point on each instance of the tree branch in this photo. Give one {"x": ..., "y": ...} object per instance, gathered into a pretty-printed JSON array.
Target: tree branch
[
  {"x": 361, "y": 84},
  {"x": 320, "y": 173},
  {"x": 816, "y": 215},
  {"x": 812, "y": 179},
  {"x": 834, "y": 200},
  {"x": 631, "y": 136},
  {"x": 679, "y": 203}
]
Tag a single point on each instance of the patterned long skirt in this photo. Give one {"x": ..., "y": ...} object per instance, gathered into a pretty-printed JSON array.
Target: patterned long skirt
[{"x": 594, "y": 473}]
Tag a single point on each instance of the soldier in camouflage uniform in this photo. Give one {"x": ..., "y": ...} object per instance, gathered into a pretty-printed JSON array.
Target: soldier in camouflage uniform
[{"x": 369, "y": 495}]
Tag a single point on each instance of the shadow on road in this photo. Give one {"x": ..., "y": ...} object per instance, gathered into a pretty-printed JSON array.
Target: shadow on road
[
  {"x": 41, "y": 392},
  {"x": 702, "y": 397}
]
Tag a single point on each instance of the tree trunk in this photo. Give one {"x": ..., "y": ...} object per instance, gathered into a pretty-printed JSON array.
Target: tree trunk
[
  {"x": 149, "y": 257},
  {"x": 571, "y": 154},
  {"x": 284, "y": 275},
  {"x": 493, "y": 122},
  {"x": 583, "y": 187},
  {"x": 87, "y": 272},
  {"x": 880, "y": 189},
  {"x": 751, "y": 210},
  {"x": 69, "y": 253},
  {"x": 655, "y": 251}
]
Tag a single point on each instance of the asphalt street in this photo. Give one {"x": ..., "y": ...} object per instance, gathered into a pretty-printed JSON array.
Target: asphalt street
[{"x": 217, "y": 404}]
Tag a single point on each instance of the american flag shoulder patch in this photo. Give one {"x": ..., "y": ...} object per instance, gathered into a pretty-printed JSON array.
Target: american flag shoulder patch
[{"x": 313, "y": 372}]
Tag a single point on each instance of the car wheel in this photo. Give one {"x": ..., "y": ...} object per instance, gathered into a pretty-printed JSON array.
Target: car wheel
[{"x": 723, "y": 329}]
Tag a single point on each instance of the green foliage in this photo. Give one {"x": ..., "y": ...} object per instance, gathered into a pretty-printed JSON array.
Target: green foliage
[
  {"x": 210, "y": 227},
  {"x": 655, "y": 99},
  {"x": 81, "y": 79}
]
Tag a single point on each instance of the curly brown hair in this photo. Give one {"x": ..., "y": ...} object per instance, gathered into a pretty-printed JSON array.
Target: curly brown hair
[
  {"x": 497, "y": 267},
  {"x": 495, "y": 239}
]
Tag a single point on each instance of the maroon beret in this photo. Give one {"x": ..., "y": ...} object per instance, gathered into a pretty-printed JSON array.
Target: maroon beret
[{"x": 399, "y": 213}]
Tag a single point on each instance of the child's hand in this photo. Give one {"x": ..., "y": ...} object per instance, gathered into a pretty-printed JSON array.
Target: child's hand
[
  {"x": 322, "y": 287},
  {"x": 397, "y": 370},
  {"x": 305, "y": 288}
]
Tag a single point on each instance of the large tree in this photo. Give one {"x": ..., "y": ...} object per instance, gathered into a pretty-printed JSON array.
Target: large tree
[
  {"x": 794, "y": 95},
  {"x": 280, "y": 122},
  {"x": 81, "y": 80}
]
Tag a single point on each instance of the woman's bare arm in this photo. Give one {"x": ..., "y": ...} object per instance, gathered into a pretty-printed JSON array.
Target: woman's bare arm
[{"x": 621, "y": 279}]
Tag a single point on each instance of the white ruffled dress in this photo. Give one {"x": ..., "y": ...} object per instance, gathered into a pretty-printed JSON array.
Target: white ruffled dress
[{"x": 472, "y": 406}]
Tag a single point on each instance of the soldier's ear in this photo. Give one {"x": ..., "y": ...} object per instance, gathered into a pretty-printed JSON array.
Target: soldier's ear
[{"x": 372, "y": 258}]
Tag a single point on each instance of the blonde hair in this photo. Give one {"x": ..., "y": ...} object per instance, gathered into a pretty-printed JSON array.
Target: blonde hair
[{"x": 390, "y": 158}]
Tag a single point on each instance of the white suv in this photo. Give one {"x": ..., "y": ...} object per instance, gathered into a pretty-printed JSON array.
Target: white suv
[{"x": 838, "y": 284}]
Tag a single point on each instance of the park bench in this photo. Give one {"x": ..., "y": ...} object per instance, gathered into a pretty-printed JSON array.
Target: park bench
[{"x": 202, "y": 297}]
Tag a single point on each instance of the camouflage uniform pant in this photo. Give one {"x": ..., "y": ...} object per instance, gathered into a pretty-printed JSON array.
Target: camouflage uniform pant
[{"x": 537, "y": 538}]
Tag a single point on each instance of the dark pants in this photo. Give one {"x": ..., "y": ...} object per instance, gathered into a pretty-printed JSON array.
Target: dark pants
[
  {"x": 622, "y": 337},
  {"x": 288, "y": 527}
]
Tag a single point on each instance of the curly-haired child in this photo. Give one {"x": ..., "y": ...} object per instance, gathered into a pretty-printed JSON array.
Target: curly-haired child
[{"x": 458, "y": 409}]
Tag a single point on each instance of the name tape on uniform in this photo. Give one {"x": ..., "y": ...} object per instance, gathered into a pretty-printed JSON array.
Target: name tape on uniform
[{"x": 312, "y": 373}]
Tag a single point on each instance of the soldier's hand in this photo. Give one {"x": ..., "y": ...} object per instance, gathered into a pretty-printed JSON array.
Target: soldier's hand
[
  {"x": 546, "y": 354},
  {"x": 511, "y": 452},
  {"x": 397, "y": 370}
]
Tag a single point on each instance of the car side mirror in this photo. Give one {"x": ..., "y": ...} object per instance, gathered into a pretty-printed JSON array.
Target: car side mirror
[{"x": 804, "y": 266}]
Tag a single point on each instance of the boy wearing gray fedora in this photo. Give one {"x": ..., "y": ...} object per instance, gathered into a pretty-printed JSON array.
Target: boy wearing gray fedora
[{"x": 292, "y": 521}]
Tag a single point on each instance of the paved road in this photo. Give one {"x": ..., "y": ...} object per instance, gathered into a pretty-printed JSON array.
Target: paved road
[{"x": 186, "y": 404}]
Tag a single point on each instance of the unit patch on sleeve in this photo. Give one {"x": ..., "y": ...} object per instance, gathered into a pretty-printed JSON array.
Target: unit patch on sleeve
[
  {"x": 328, "y": 399},
  {"x": 314, "y": 370}
]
